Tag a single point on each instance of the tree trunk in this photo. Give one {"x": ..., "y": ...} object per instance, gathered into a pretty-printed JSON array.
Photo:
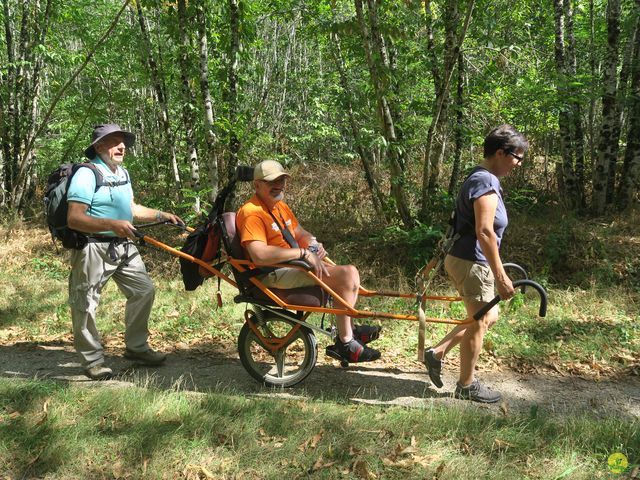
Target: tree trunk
[
  {"x": 575, "y": 109},
  {"x": 24, "y": 97},
  {"x": 630, "y": 175},
  {"x": 395, "y": 152},
  {"x": 210, "y": 136},
  {"x": 610, "y": 129},
  {"x": 459, "y": 127},
  {"x": 188, "y": 102},
  {"x": 567, "y": 181},
  {"x": 430, "y": 169},
  {"x": 161, "y": 97},
  {"x": 379, "y": 202},
  {"x": 234, "y": 50}
]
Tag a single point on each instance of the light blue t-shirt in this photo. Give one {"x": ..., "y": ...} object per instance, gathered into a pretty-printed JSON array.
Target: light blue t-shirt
[
  {"x": 480, "y": 182},
  {"x": 113, "y": 202}
]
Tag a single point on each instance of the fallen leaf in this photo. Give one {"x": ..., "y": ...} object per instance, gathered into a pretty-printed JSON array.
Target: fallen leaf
[
  {"x": 504, "y": 408},
  {"x": 361, "y": 470},
  {"x": 206, "y": 472},
  {"x": 316, "y": 439},
  {"x": 408, "y": 450},
  {"x": 303, "y": 446},
  {"x": 319, "y": 465},
  {"x": 402, "y": 463},
  {"x": 465, "y": 446},
  {"x": 425, "y": 461},
  {"x": 439, "y": 471},
  {"x": 501, "y": 445}
]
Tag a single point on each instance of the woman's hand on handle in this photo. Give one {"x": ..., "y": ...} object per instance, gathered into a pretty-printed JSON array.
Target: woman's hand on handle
[{"x": 505, "y": 287}]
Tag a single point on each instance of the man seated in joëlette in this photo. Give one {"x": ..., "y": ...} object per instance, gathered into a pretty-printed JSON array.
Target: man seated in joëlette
[{"x": 270, "y": 233}]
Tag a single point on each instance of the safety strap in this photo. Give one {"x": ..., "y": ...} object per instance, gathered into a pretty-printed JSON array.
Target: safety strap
[{"x": 285, "y": 232}]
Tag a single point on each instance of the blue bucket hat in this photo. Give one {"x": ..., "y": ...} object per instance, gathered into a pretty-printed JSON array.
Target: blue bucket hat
[{"x": 104, "y": 130}]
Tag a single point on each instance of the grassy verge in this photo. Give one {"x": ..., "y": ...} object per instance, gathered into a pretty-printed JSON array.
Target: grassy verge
[
  {"x": 49, "y": 430},
  {"x": 592, "y": 332}
]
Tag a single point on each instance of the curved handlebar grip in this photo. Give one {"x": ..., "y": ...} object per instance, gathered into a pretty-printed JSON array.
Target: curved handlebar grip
[
  {"x": 541, "y": 291},
  {"x": 138, "y": 233},
  {"x": 515, "y": 266}
]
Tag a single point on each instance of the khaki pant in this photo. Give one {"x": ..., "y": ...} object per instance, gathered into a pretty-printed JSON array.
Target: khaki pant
[
  {"x": 473, "y": 281},
  {"x": 91, "y": 268},
  {"x": 286, "y": 278}
]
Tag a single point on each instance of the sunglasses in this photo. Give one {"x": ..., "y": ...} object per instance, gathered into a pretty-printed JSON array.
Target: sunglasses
[{"x": 517, "y": 157}]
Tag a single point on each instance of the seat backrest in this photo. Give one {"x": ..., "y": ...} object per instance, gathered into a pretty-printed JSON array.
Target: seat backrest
[
  {"x": 230, "y": 237},
  {"x": 309, "y": 296}
]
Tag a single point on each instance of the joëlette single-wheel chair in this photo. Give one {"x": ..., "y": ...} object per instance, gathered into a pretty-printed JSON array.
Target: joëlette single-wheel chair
[{"x": 277, "y": 344}]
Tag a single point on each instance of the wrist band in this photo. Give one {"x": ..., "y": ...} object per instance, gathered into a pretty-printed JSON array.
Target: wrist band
[{"x": 158, "y": 216}]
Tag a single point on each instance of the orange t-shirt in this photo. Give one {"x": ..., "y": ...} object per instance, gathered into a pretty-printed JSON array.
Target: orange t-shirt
[{"x": 254, "y": 222}]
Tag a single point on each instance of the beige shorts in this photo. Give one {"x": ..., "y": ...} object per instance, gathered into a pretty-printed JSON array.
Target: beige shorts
[
  {"x": 286, "y": 278},
  {"x": 473, "y": 281}
]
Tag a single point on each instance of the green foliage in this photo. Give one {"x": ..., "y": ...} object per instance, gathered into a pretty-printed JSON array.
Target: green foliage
[
  {"x": 421, "y": 241},
  {"x": 51, "y": 267}
]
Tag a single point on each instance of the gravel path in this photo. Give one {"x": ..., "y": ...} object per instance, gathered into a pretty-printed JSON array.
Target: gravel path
[{"x": 405, "y": 385}]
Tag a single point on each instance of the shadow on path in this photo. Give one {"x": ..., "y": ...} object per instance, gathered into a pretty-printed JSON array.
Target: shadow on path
[{"x": 407, "y": 385}]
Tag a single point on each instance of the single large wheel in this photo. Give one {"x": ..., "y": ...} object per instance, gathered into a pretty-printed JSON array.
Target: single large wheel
[{"x": 284, "y": 367}]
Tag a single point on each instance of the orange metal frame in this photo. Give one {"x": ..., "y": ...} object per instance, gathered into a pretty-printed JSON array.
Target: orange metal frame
[{"x": 243, "y": 265}]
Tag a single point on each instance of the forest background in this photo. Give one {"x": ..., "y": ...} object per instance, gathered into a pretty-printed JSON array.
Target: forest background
[{"x": 400, "y": 93}]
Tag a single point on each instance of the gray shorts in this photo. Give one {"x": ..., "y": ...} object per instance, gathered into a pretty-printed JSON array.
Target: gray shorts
[
  {"x": 286, "y": 278},
  {"x": 473, "y": 281}
]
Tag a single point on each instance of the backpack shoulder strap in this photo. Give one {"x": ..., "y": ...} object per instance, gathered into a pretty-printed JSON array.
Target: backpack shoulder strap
[{"x": 100, "y": 182}]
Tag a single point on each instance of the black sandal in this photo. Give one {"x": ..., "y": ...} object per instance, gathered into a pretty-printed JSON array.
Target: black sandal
[
  {"x": 366, "y": 333},
  {"x": 352, "y": 352}
]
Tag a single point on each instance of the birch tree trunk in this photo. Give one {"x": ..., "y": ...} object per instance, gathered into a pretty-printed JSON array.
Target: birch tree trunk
[
  {"x": 210, "y": 136},
  {"x": 630, "y": 175},
  {"x": 567, "y": 181},
  {"x": 188, "y": 103},
  {"x": 161, "y": 97},
  {"x": 234, "y": 50},
  {"x": 609, "y": 131}
]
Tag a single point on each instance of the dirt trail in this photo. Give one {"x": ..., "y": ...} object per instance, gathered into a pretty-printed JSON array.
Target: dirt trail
[{"x": 405, "y": 385}]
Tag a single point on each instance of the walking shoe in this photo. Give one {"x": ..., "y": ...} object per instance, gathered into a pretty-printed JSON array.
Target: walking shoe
[
  {"x": 477, "y": 392},
  {"x": 366, "y": 333},
  {"x": 352, "y": 351},
  {"x": 98, "y": 372},
  {"x": 148, "y": 358},
  {"x": 434, "y": 367}
]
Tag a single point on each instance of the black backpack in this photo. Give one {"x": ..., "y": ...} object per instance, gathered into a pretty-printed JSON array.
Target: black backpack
[
  {"x": 56, "y": 206},
  {"x": 205, "y": 244}
]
